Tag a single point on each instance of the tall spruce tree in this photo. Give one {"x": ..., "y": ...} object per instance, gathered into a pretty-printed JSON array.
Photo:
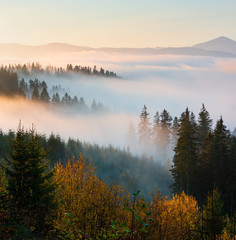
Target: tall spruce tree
[
  {"x": 144, "y": 128},
  {"x": 221, "y": 155},
  {"x": 221, "y": 143},
  {"x": 156, "y": 133},
  {"x": 162, "y": 134},
  {"x": 56, "y": 99},
  {"x": 56, "y": 149},
  {"x": 94, "y": 106},
  {"x": 217, "y": 165},
  {"x": 206, "y": 169},
  {"x": 174, "y": 130},
  {"x": 165, "y": 130},
  {"x": 204, "y": 124},
  {"x": 44, "y": 96},
  {"x": 231, "y": 182},
  {"x": 214, "y": 220},
  {"x": 82, "y": 105},
  {"x": 185, "y": 157},
  {"x": 30, "y": 182},
  {"x": 35, "y": 95}
]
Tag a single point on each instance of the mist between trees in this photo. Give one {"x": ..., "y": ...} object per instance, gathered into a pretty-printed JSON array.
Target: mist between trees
[
  {"x": 71, "y": 202},
  {"x": 155, "y": 139},
  {"x": 203, "y": 157},
  {"x": 158, "y": 138},
  {"x": 113, "y": 164},
  {"x": 37, "y": 91},
  {"x": 186, "y": 153}
]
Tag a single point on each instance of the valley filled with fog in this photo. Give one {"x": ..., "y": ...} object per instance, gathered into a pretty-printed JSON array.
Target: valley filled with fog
[
  {"x": 117, "y": 120},
  {"x": 159, "y": 81}
]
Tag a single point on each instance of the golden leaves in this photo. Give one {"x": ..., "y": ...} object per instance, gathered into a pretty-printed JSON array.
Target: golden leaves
[{"x": 93, "y": 203}]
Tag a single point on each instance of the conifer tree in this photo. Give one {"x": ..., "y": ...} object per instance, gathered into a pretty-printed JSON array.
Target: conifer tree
[
  {"x": 82, "y": 105},
  {"x": 221, "y": 143},
  {"x": 193, "y": 121},
  {"x": 217, "y": 165},
  {"x": 23, "y": 85},
  {"x": 156, "y": 128},
  {"x": 144, "y": 128},
  {"x": 156, "y": 134},
  {"x": 56, "y": 149},
  {"x": 94, "y": 106},
  {"x": 185, "y": 158},
  {"x": 206, "y": 171},
  {"x": 30, "y": 184},
  {"x": 165, "y": 132},
  {"x": 44, "y": 84},
  {"x": 174, "y": 130},
  {"x": 44, "y": 96},
  {"x": 75, "y": 101},
  {"x": 204, "y": 123},
  {"x": 66, "y": 99},
  {"x": 56, "y": 99},
  {"x": 214, "y": 220},
  {"x": 35, "y": 94},
  {"x": 230, "y": 184}
]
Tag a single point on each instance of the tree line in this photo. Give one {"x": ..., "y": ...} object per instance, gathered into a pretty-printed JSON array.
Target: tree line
[
  {"x": 113, "y": 164},
  {"x": 157, "y": 138},
  {"x": 205, "y": 159},
  {"x": 34, "y": 69},
  {"x": 37, "y": 91},
  {"x": 8, "y": 82},
  {"x": 71, "y": 202}
]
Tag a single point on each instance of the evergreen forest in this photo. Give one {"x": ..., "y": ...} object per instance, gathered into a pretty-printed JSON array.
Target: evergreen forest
[{"x": 182, "y": 186}]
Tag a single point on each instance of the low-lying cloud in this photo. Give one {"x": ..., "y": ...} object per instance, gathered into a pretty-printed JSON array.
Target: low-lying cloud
[
  {"x": 170, "y": 82},
  {"x": 104, "y": 129}
]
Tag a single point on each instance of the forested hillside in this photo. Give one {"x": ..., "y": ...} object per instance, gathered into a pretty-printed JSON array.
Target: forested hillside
[
  {"x": 51, "y": 188},
  {"x": 105, "y": 193},
  {"x": 112, "y": 164},
  {"x": 69, "y": 201},
  {"x": 34, "y": 90}
]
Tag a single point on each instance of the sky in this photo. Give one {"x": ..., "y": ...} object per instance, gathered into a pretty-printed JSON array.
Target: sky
[{"x": 116, "y": 23}]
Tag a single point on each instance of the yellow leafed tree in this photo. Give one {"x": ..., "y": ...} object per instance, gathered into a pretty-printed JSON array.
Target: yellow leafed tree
[
  {"x": 87, "y": 205},
  {"x": 176, "y": 218}
]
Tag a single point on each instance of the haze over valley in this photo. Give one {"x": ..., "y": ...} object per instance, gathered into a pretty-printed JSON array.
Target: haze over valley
[
  {"x": 172, "y": 82},
  {"x": 117, "y": 120}
]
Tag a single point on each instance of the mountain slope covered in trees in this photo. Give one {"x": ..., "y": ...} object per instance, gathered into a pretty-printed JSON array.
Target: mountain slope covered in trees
[{"x": 83, "y": 207}]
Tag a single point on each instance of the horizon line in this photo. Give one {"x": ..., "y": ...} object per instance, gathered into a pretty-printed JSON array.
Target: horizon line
[{"x": 75, "y": 45}]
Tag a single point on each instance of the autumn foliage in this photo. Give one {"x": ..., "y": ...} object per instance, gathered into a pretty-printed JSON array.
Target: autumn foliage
[
  {"x": 90, "y": 203},
  {"x": 86, "y": 207},
  {"x": 91, "y": 209}
]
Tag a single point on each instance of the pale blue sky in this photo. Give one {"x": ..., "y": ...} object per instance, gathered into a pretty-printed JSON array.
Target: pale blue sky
[{"x": 116, "y": 23}]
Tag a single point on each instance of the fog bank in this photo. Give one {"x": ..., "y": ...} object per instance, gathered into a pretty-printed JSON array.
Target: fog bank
[
  {"x": 160, "y": 82},
  {"x": 103, "y": 129}
]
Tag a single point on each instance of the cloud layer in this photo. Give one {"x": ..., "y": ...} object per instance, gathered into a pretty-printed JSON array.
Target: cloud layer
[{"x": 170, "y": 82}]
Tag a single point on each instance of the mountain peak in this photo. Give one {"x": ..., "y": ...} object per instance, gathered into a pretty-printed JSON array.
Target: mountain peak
[
  {"x": 223, "y": 38},
  {"x": 221, "y": 43}
]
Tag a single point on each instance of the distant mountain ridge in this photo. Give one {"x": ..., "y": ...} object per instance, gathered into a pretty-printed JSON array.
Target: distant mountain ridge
[
  {"x": 219, "y": 47},
  {"x": 222, "y": 44}
]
